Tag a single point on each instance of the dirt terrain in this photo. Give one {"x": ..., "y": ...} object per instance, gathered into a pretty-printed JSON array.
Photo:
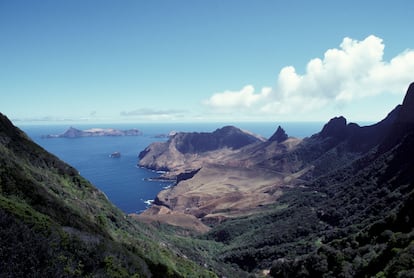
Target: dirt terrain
[{"x": 229, "y": 183}]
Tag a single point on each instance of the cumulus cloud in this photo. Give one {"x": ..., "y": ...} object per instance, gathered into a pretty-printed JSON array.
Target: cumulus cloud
[
  {"x": 244, "y": 98},
  {"x": 355, "y": 70}
]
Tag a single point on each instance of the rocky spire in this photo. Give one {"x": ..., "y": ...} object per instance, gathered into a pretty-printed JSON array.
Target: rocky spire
[
  {"x": 406, "y": 114},
  {"x": 279, "y": 136}
]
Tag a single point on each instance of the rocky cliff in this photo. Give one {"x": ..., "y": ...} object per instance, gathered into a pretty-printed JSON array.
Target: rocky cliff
[{"x": 185, "y": 151}]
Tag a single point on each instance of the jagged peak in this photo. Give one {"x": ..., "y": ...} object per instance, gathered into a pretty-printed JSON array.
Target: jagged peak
[
  {"x": 336, "y": 127},
  {"x": 409, "y": 96},
  {"x": 406, "y": 114},
  {"x": 279, "y": 136}
]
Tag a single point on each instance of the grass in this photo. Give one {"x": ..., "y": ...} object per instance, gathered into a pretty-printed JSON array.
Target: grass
[{"x": 23, "y": 211}]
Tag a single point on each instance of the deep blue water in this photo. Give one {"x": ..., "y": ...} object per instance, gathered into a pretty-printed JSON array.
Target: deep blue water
[{"x": 121, "y": 180}]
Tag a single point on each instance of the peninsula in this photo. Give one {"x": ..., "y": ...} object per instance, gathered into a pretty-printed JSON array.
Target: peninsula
[{"x": 95, "y": 132}]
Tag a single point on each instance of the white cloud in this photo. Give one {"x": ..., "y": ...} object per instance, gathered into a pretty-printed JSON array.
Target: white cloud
[
  {"x": 154, "y": 114},
  {"x": 244, "y": 98},
  {"x": 353, "y": 71}
]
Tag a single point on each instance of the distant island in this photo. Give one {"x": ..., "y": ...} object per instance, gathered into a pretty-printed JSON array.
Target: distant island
[{"x": 95, "y": 132}]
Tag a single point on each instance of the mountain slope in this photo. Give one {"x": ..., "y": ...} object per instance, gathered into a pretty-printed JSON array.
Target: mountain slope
[
  {"x": 342, "y": 202},
  {"x": 56, "y": 224},
  {"x": 353, "y": 220},
  {"x": 188, "y": 151},
  {"x": 229, "y": 183},
  {"x": 370, "y": 215}
]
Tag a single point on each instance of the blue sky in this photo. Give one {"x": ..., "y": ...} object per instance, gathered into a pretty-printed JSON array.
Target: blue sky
[{"x": 211, "y": 61}]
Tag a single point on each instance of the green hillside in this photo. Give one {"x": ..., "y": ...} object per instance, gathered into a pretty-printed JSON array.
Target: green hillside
[{"x": 56, "y": 224}]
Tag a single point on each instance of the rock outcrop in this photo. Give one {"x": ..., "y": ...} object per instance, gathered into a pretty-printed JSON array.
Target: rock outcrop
[
  {"x": 406, "y": 114},
  {"x": 226, "y": 137},
  {"x": 186, "y": 151},
  {"x": 279, "y": 136},
  {"x": 335, "y": 128}
]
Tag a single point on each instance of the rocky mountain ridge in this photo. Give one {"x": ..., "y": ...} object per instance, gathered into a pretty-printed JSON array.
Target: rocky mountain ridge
[
  {"x": 233, "y": 182},
  {"x": 336, "y": 204},
  {"x": 188, "y": 151}
]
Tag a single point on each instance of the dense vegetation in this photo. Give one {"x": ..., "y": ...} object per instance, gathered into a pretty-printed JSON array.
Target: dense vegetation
[
  {"x": 56, "y": 224},
  {"x": 353, "y": 215},
  {"x": 355, "y": 222}
]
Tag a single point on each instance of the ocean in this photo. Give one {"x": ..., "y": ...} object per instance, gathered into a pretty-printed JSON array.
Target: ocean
[{"x": 124, "y": 183}]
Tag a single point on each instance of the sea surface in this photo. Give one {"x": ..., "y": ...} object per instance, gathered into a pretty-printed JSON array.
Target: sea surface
[{"x": 124, "y": 183}]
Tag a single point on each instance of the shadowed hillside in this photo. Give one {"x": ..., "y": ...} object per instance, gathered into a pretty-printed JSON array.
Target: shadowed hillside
[
  {"x": 56, "y": 224},
  {"x": 351, "y": 217}
]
